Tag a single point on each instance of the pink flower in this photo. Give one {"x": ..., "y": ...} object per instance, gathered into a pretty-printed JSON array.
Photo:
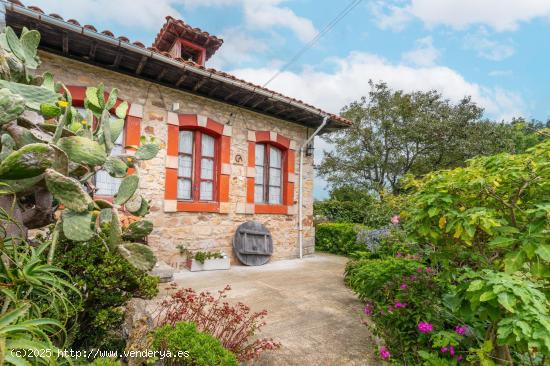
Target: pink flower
[
  {"x": 403, "y": 286},
  {"x": 400, "y": 305},
  {"x": 424, "y": 327},
  {"x": 368, "y": 309},
  {"x": 381, "y": 312},
  {"x": 384, "y": 353},
  {"x": 419, "y": 270},
  {"x": 395, "y": 219},
  {"x": 444, "y": 349},
  {"x": 459, "y": 358},
  {"x": 452, "y": 351},
  {"x": 461, "y": 329},
  {"x": 428, "y": 270},
  {"x": 413, "y": 278},
  {"x": 390, "y": 308},
  {"x": 399, "y": 255}
]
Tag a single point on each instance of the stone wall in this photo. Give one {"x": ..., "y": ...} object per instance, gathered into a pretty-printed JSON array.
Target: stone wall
[{"x": 199, "y": 231}]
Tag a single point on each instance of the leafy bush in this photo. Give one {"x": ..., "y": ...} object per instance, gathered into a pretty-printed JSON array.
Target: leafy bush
[
  {"x": 201, "y": 349},
  {"x": 35, "y": 304},
  {"x": 368, "y": 277},
  {"x": 497, "y": 208},
  {"x": 232, "y": 325},
  {"x": 358, "y": 207},
  {"x": 484, "y": 229},
  {"x": 107, "y": 282},
  {"x": 337, "y": 238}
]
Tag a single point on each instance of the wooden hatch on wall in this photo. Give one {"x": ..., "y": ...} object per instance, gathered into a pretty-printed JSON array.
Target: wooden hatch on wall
[{"x": 253, "y": 244}]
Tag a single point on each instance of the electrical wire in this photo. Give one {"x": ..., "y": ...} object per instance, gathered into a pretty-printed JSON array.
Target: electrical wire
[{"x": 314, "y": 40}]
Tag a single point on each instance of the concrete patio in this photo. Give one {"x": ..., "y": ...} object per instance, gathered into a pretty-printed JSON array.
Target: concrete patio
[{"x": 311, "y": 312}]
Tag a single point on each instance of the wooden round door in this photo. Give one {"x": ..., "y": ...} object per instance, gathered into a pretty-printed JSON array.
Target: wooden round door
[{"x": 252, "y": 244}]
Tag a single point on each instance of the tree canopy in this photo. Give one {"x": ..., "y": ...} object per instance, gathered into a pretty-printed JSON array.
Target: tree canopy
[{"x": 396, "y": 133}]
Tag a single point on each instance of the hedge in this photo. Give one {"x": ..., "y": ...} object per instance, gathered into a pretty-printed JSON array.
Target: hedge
[{"x": 337, "y": 238}]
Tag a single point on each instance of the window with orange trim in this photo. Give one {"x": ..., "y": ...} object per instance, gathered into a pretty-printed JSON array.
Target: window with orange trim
[
  {"x": 268, "y": 181},
  {"x": 198, "y": 157}
]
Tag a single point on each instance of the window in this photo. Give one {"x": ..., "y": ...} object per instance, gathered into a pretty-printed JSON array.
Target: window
[
  {"x": 104, "y": 183},
  {"x": 196, "y": 166},
  {"x": 269, "y": 177}
]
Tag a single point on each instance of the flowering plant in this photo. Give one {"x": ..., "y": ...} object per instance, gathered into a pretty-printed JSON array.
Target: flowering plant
[{"x": 233, "y": 325}]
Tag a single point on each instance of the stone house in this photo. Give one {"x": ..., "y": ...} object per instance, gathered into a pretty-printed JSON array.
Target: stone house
[{"x": 231, "y": 151}]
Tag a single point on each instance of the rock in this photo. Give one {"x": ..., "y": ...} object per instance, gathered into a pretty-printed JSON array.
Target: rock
[
  {"x": 138, "y": 323},
  {"x": 163, "y": 271}
]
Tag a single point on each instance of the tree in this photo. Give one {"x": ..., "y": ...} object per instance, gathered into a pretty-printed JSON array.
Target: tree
[{"x": 395, "y": 133}]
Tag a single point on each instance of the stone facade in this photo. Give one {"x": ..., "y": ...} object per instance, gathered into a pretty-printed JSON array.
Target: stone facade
[{"x": 200, "y": 231}]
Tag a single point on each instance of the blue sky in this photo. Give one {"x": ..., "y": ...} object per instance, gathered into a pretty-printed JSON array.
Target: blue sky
[{"x": 497, "y": 51}]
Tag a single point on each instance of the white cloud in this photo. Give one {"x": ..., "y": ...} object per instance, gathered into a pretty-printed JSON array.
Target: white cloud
[
  {"x": 259, "y": 14},
  {"x": 488, "y": 48},
  {"x": 130, "y": 13},
  {"x": 331, "y": 91},
  {"x": 425, "y": 53},
  {"x": 238, "y": 47},
  {"x": 265, "y": 14},
  {"x": 501, "y": 15}
]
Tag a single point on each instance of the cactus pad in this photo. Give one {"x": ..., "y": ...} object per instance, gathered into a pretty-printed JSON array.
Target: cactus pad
[
  {"x": 147, "y": 151},
  {"x": 139, "y": 255},
  {"x": 134, "y": 203},
  {"x": 126, "y": 189},
  {"x": 29, "y": 161},
  {"x": 115, "y": 233},
  {"x": 20, "y": 185},
  {"x": 83, "y": 150},
  {"x": 68, "y": 191},
  {"x": 49, "y": 110},
  {"x": 138, "y": 230},
  {"x": 143, "y": 209},
  {"x": 78, "y": 226},
  {"x": 115, "y": 167},
  {"x": 33, "y": 95},
  {"x": 103, "y": 204},
  {"x": 11, "y": 106}
]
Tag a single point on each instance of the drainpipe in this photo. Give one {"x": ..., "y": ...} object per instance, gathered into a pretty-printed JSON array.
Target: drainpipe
[{"x": 301, "y": 193}]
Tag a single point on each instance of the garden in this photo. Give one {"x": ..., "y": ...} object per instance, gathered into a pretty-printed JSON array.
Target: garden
[{"x": 452, "y": 265}]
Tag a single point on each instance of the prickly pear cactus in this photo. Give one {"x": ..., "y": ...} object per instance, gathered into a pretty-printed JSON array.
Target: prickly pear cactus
[
  {"x": 11, "y": 106},
  {"x": 138, "y": 230},
  {"x": 51, "y": 150},
  {"x": 139, "y": 255}
]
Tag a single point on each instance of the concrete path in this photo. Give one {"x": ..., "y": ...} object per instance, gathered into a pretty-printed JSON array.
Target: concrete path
[{"x": 310, "y": 311}]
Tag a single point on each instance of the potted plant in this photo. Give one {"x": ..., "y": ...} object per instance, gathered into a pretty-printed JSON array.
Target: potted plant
[{"x": 205, "y": 260}]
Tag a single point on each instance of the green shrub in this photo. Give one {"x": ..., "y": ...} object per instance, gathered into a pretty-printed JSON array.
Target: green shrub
[
  {"x": 201, "y": 349},
  {"x": 367, "y": 277},
  {"x": 105, "y": 361},
  {"x": 358, "y": 208},
  {"x": 107, "y": 282},
  {"x": 337, "y": 238}
]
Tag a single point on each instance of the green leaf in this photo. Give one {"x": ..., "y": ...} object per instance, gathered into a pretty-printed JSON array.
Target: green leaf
[
  {"x": 121, "y": 110},
  {"x": 514, "y": 261},
  {"x": 543, "y": 251},
  {"x": 486, "y": 296},
  {"x": 501, "y": 242},
  {"x": 507, "y": 301},
  {"x": 475, "y": 285}
]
